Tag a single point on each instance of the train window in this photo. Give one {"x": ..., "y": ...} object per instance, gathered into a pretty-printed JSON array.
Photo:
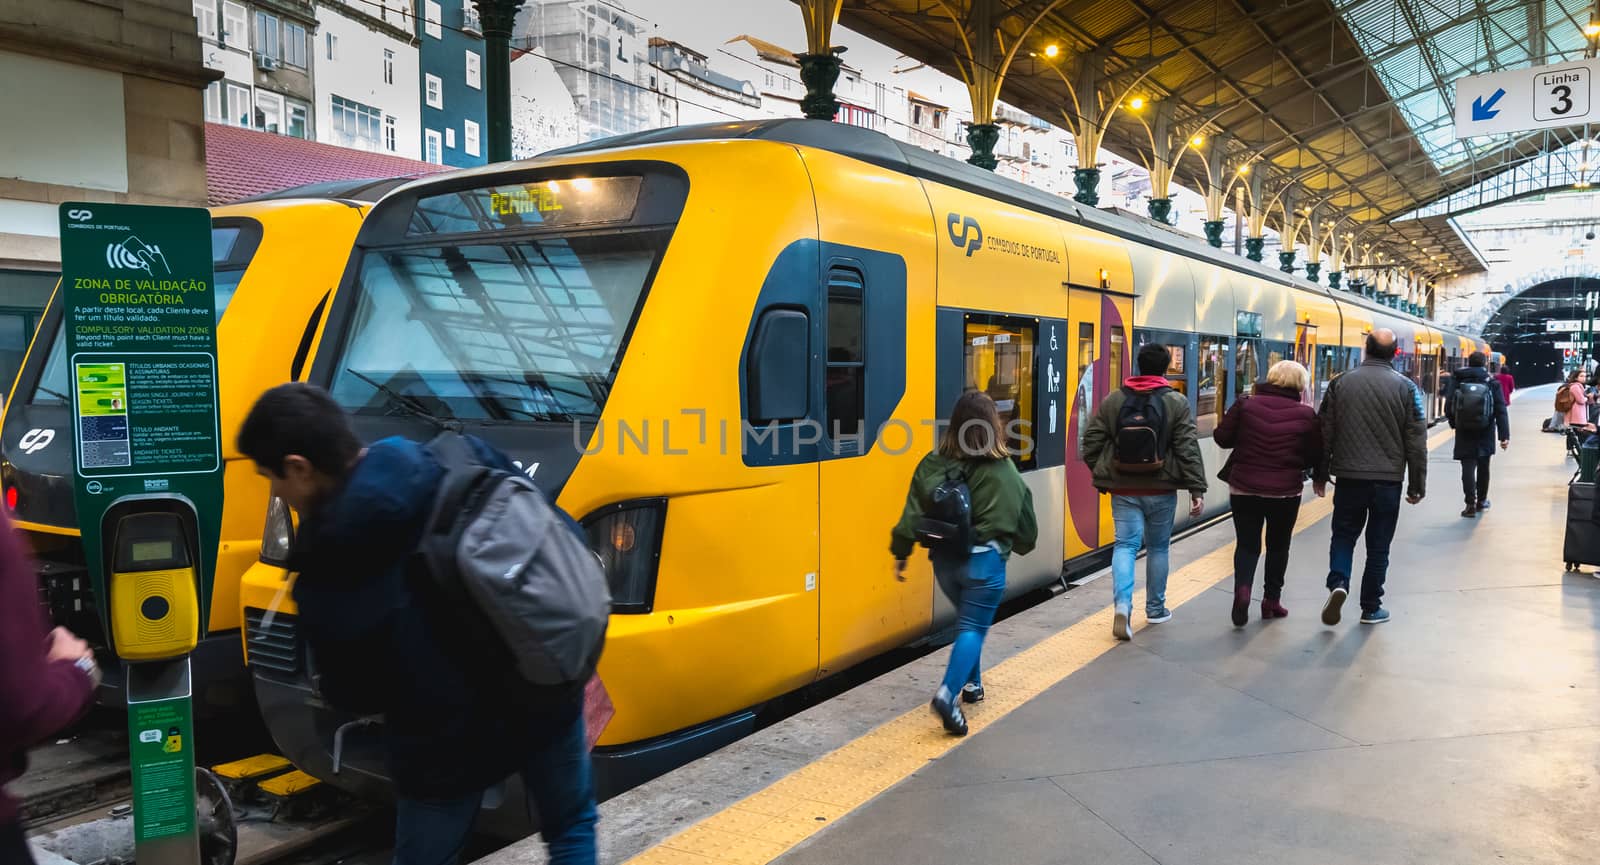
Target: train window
[
  {"x": 528, "y": 329},
  {"x": 777, "y": 377},
  {"x": 1176, "y": 375},
  {"x": 1085, "y": 347},
  {"x": 1327, "y": 367},
  {"x": 846, "y": 364},
  {"x": 1119, "y": 356},
  {"x": 1246, "y": 367},
  {"x": 1000, "y": 362},
  {"x": 1210, "y": 402}
]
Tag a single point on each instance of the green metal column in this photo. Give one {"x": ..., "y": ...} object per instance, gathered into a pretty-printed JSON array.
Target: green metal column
[{"x": 498, "y": 18}]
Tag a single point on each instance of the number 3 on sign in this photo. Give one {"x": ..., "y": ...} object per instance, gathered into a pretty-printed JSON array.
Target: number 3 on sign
[{"x": 1561, "y": 94}]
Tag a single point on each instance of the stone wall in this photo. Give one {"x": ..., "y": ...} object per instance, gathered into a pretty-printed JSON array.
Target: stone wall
[{"x": 138, "y": 63}]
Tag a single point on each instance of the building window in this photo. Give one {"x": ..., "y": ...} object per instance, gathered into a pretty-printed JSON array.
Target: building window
[
  {"x": 267, "y": 35},
  {"x": 432, "y": 19},
  {"x": 238, "y": 105},
  {"x": 299, "y": 122},
  {"x": 214, "y": 102},
  {"x": 294, "y": 45},
  {"x": 916, "y": 115},
  {"x": 938, "y": 120},
  {"x": 433, "y": 151},
  {"x": 235, "y": 29},
  {"x": 205, "y": 18},
  {"x": 333, "y": 46},
  {"x": 469, "y": 17},
  {"x": 474, "y": 71},
  {"x": 356, "y": 123},
  {"x": 469, "y": 135},
  {"x": 388, "y": 66},
  {"x": 433, "y": 90},
  {"x": 390, "y": 140},
  {"x": 450, "y": 137},
  {"x": 269, "y": 112}
]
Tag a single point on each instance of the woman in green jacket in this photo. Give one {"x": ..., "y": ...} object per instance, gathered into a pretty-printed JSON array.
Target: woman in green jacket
[{"x": 973, "y": 447}]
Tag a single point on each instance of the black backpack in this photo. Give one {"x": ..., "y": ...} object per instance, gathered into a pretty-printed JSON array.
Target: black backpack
[
  {"x": 946, "y": 524},
  {"x": 1474, "y": 406},
  {"x": 1139, "y": 441}
]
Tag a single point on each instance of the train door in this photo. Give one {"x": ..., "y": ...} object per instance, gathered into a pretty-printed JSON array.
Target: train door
[
  {"x": 1305, "y": 354},
  {"x": 875, "y": 360},
  {"x": 1098, "y": 359}
]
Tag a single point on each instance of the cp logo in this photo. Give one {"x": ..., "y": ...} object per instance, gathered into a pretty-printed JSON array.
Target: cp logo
[
  {"x": 80, "y": 215},
  {"x": 969, "y": 234},
  {"x": 36, "y": 440}
]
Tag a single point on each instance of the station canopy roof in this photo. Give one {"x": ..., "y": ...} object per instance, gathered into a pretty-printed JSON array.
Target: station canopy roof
[{"x": 1350, "y": 100}]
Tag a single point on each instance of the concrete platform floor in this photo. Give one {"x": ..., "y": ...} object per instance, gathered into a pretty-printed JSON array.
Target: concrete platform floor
[{"x": 1466, "y": 730}]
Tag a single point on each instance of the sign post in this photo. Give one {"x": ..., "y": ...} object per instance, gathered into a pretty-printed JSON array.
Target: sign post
[
  {"x": 1525, "y": 100},
  {"x": 141, "y": 344}
]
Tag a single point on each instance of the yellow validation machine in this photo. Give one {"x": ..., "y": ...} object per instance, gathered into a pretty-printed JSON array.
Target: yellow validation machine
[{"x": 155, "y": 602}]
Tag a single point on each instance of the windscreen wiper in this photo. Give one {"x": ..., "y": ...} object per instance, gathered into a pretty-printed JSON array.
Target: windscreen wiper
[
  {"x": 57, "y": 394},
  {"x": 408, "y": 404}
]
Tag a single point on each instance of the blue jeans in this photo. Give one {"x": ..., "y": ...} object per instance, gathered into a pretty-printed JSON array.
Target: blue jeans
[
  {"x": 982, "y": 579},
  {"x": 559, "y": 790},
  {"x": 1142, "y": 521},
  {"x": 1375, "y": 505}
]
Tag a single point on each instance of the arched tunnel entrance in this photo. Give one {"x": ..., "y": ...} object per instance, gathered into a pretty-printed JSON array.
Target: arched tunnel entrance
[{"x": 1536, "y": 354}]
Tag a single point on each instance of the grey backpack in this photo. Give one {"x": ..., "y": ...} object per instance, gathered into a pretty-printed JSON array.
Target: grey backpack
[{"x": 521, "y": 591}]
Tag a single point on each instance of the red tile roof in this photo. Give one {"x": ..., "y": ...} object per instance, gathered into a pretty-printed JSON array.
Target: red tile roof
[{"x": 241, "y": 163}]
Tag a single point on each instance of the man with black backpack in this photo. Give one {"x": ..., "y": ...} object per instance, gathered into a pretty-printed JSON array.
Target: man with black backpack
[
  {"x": 384, "y": 641},
  {"x": 1143, "y": 447},
  {"x": 1475, "y": 407}
]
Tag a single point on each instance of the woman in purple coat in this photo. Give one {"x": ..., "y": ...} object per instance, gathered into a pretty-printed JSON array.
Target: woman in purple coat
[{"x": 1275, "y": 439}]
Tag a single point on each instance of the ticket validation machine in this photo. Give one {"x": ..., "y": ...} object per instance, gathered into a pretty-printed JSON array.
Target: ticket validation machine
[
  {"x": 150, "y": 556},
  {"x": 155, "y": 597}
]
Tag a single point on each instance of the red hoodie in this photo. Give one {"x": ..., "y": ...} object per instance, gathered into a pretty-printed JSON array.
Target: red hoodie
[
  {"x": 38, "y": 697},
  {"x": 1144, "y": 384}
]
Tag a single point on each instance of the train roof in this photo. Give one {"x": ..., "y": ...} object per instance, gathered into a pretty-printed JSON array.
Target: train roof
[
  {"x": 364, "y": 190},
  {"x": 879, "y": 149}
]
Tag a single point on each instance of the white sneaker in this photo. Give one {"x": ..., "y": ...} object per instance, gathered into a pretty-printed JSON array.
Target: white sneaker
[{"x": 1121, "y": 628}]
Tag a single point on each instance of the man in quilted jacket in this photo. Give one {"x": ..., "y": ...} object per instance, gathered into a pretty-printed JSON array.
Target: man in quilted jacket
[{"x": 1376, "y": 435}]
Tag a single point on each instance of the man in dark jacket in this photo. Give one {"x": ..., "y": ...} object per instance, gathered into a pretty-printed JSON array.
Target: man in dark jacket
[
  {"x": 449, "y": 734},
  {"x": 1376, "y": 435},
  {"x": 1144, "y": 506},
  {"x": 47, "y": 681},
  {"x": 1474, "y": 447}
]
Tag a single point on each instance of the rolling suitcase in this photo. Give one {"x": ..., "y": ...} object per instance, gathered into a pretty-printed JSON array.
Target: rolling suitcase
[{"x": 1582, "y": 543}]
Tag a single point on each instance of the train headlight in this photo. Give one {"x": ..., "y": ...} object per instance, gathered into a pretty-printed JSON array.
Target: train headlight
[
  {"x": 627, "y": 538},
  {"x": 278, "y": 536}
]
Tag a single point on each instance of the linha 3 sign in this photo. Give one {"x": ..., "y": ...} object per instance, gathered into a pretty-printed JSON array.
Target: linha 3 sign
[{"x": 1526, "y": 100}]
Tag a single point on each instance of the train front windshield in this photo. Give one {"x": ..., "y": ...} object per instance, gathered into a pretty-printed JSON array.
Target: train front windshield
[{"x": 505, "y": 305}]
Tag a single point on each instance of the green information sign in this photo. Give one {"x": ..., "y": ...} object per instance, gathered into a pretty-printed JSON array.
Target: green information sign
[
  {"x": 141, "y": 328},
  {"x": 161, "y": 747}
]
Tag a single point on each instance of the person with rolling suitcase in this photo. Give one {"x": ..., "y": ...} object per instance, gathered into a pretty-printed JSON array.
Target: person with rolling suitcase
[{"x": 1581, "y": 546}]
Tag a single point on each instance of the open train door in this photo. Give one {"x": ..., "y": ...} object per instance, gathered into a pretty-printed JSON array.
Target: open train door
[{"x": 1098, "y": 360}]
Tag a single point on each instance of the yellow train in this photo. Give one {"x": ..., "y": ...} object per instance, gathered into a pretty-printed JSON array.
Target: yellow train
[
  {"x": 726, "y": 347},
  {"x": 276, "y": 260}
]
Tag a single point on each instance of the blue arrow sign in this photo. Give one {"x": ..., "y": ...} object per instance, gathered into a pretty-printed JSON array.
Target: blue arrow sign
[{"x": 1482, "y": 110}]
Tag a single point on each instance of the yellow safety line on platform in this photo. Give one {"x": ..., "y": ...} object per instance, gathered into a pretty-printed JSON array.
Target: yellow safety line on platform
[{"x": 770, "y": 823}]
